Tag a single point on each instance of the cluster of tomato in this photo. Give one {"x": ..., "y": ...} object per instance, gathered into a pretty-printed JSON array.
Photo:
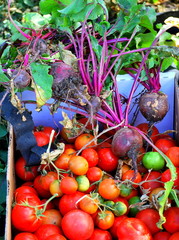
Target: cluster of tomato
[{"x": 87, "y": 193}]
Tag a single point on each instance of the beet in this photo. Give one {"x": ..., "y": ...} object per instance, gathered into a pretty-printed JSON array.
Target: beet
[
  {"x": 126, "y": 143},
  {"x": 153, "y": 106},
  {"x": 21, "y": 78}
]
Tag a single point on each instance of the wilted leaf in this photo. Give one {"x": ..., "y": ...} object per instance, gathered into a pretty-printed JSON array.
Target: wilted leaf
[
  {"x": 67, "y": 122},
  {"x": 42, "y": 82}
]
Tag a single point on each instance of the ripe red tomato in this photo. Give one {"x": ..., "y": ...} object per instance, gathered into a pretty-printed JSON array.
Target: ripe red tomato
[
  {"x": 41, "y": 138},
  {"x": 144, "y": 127},
  {"x": 25, "y": 236},
  {"x": 24, "y": 190},
  {"x": 174, "y": 236},
  {"x": 150, "y": 217},
  {"x": 26, "y": 173},
  {"x": 99, "y": 234},
  {"x": 129, "y": 176},
  {"x": 62, "y": 161},
  {"x": 113, "y": 229},
  {"x": 164, "y": 144},
  {"x": 173, "y": 155},
  {"x": 56, "y": 237},
  {"x": 77, "y": 224},
  {"x": 47, "y": 130},
  {"x": 68, "y": 202},
  {"x": 47, "y": 179},
  {"x": 50, "y": 204},
  {"x": 151, "y": 180},
  {"x": 26, "y": 218},
  {"x": 133, "y": 229},
  {"x": 166, "y": 176},
  {"x": 38, "y": 187},
  {"x": 47, "y": 230},
  {"x": 108, "y": 189},
  {"x": 25, "y": 197},
  {"x": 52, "y": 216},
  {"x": 104, "y": 219},
  {"x": 91, "y": 156},
  {"x": 161, "y": 236},
  {"x": 107, "y": 160},
  {"x": 68, "y": 185},
  {"x": 172, "y": 219},
  {"x": 94, "y": 174}
]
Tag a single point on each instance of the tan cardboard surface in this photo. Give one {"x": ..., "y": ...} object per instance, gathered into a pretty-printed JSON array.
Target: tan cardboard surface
[{"x": 10, "y": 185}]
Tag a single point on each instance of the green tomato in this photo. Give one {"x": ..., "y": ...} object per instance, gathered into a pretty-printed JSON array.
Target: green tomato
[
  {"x": 120, "y": 208},
  {"x": 83, "y": 183},
  {"x": 153, "y": 160},
  {"x": 125, "y": 190},
  {"x": 133, "y": 210},
  {"x": 109, "y": 204}
]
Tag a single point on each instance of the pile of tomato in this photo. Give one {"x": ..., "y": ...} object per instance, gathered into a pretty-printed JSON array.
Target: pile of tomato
[{"x": 87, "y": 193}]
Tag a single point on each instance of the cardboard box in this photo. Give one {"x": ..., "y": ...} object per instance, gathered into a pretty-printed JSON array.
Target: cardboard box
[
  {"x": 10, "y": 168},
  {"x": 10, "y": 186}
]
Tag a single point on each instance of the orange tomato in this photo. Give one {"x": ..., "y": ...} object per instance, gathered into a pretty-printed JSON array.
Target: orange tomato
[
  {"x": 89, "y": 204},
  {"x": 78, "y": 165},
  {"x": 83, "y": 140},
  {"x": 108, "y": 189}
]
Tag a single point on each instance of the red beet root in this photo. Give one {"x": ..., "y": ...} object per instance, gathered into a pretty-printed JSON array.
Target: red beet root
[{"x": 153, "y": 106}]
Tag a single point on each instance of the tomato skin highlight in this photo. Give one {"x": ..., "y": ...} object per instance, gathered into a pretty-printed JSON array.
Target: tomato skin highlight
[
  {"x": 77, "y": 224},
  {"x": 133, "y": 229}
]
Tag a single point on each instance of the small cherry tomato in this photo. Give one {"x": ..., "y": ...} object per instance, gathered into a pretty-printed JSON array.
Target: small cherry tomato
[
  {"x": 108, "y": 189},
  {"x": 104, "y": 219},
  {"x": 91, "y": 156},
  {"x": 41, "y": 138},
  {"x": 78, "y": 165},
  {"x": 94, "y": 174},
  {"x": 133, "y": 229},
  {"x": 150, "y": 217},
  {"x": 77, "y": 224},
  {"x": 24, "y": 172},
  {"x": 83, "y": 140},
  {"x": 164, "y": 144},
  {"x": 68, "y": 185},
  {"x": 107, "y": 160}
]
